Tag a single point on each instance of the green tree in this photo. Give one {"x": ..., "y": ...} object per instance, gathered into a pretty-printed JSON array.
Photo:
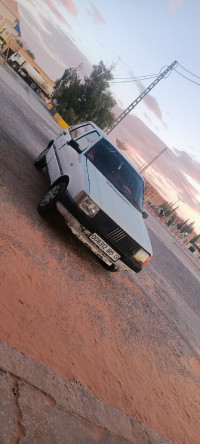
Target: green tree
[
  {"x": 181, "y": 224},
  {"x": 87, "y": 100},
  {"x": 171, "y": 220},
  {"x": 67, "y": 93},
  {"x": 23, "y": 45},
  {"x": 167, "y": 209},
  {"x": 187, "y": 228},
  {"x": 29, "y": 52},
  {"x": 20, "y": 43}
]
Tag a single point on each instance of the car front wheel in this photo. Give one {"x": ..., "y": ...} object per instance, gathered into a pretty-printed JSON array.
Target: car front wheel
[{"x": 48, "y": 202}]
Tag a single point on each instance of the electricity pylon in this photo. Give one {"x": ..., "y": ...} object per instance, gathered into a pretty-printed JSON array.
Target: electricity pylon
[{"x": 139, "y": 98}]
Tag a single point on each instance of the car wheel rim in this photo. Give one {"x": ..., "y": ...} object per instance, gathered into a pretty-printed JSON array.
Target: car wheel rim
[{"x": 50, "y": 196}]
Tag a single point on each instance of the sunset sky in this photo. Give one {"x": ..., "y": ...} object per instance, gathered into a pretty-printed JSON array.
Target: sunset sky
[{"x": 141, "y": 38}]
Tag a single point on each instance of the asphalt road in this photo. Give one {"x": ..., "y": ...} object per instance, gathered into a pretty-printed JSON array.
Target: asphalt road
[{"x": 170, "y": 283}]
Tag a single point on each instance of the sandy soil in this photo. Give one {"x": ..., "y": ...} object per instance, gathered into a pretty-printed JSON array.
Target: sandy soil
[
  {"x": 60, "y": 307},
  {"x": 135, "y": 346}
]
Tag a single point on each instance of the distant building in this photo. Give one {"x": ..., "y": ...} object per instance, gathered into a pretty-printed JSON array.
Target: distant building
[
  {"x": 196, "y": 242},
  {"x": 9, "y": 20},
  {"x": 152, "y": 195}
]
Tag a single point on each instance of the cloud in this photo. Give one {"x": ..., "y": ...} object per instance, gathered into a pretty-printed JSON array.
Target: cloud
[
  {"x": 165, "y": 125},
  {"x": 152, "y": 104},
  {"x": 150, "y": 101},
  {"x": 40, "y": 11},
  {"x": 147, "y": 117},
  {"x": 55, "y": 11},
  {"x": 38, "y": 41},
  {"x": 174, "y": 5},
  {"x": 195, "y": 189},
  {"x": 188, "y": 164},
  {"x": 95, "y": 14},
  {"x": 184, "y": 172},
  {"x": 54, "y": 52},
  {"x": 32, "y": 11},
  {"x": 69, "y": 5},
  {"x": 174, "y": 172}
]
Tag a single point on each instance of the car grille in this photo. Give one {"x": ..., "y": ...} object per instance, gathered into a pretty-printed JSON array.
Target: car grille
[{"x": 114, "y": 234}]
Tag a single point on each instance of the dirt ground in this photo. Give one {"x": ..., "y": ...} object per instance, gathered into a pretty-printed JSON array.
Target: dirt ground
[
  {"x": 62, "y": 308},
  {"x": 132, "y": 340}
]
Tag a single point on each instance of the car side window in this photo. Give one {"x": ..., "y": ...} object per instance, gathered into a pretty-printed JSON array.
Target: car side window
[
  {"x": 87, "y": 140},
  {"x": 81, "y": 130}
]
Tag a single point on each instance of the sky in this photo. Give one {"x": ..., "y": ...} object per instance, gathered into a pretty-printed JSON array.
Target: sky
[{"x": 140, "y": 38}]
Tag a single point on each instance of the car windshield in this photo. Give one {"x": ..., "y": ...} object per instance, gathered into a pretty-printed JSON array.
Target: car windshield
[{"x": 118, "y": 171}]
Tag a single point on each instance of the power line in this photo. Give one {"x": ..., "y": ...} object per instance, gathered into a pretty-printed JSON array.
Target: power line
[
  {"x": 139, "y": 98},
  {"x": 190, "y": 80},
  {"x": 133, "y": 79},
  {"x": 183, "y": 184},
  {"x": 198, "y": 77},
  {"x": 122, "y": 115},
  {"x": 179, "y": 177},
  {"x": 151, "y": 145},
  {"x": 151, "y": 161},
  {"x": 117, "y": 80}
]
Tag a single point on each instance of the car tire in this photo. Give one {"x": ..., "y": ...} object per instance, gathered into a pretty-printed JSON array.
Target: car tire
[
  {"x": 40, "y": 160},
  {"x": 48, "y": 203},
  {"x": 14, "y": 65}
]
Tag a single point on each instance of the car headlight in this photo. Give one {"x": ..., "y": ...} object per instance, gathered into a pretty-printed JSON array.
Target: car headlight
[
  {"x": 86, "y": 204},
  {"x": 142, "y": 256}
]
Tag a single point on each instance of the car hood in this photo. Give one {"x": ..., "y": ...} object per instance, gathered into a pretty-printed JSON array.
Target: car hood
[{"x": 117, "y": 207}]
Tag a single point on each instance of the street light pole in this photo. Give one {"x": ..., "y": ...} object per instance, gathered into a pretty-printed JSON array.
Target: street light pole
[
  {"x": 179, "y": 198},
  {"x": 147, "y": 165}
]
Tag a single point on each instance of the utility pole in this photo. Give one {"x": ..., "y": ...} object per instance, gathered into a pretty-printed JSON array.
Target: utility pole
[
  {"x": 151, "y": 161},
  {"x": 179, "y": 198},
  {"x": 139, "y": 98}
]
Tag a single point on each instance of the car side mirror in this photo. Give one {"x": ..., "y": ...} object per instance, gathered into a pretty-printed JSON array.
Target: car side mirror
[
  {"x": 145, "y": 215},
  {"x": 74, "y": 145}
]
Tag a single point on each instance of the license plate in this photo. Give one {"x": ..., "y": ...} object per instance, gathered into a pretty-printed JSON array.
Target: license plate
[{"x": 104, "y": 246}]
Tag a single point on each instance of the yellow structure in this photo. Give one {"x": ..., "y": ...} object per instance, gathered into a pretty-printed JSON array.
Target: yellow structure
[
  {"x": 9, "y": 24},
  {"x": 57, "y": 116},
  {"x": 9, "y": 31},
  {"x": 9, "y": 19},
  {"x": 3, "y": 39}
]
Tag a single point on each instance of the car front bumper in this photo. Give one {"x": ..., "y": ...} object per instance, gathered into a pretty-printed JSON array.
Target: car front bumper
[{"x": 83, "y": 234}]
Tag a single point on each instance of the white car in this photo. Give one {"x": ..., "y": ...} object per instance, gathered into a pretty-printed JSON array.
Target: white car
[{"x": 99, "y": 194}]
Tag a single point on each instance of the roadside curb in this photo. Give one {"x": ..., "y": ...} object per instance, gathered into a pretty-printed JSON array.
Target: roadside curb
[
  {"x": 74, "y": 398},
  {"x": 57, "y": 117}
]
